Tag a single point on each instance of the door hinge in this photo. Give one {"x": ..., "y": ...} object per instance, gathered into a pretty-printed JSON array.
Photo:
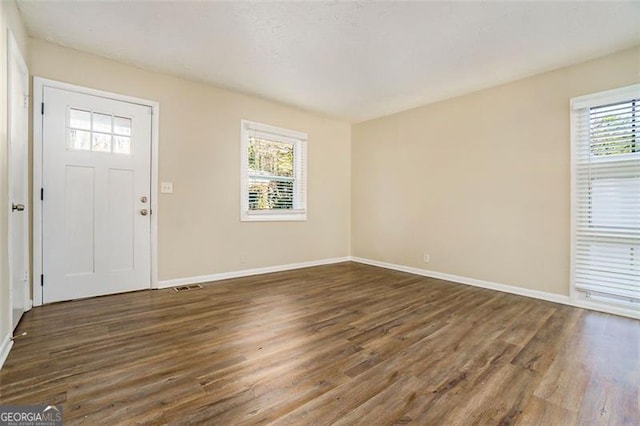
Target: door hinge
[
  {"x": 41, "y": 194},
  {"x": 42, "y": 108},
  {"x": 41, "y": 280}
]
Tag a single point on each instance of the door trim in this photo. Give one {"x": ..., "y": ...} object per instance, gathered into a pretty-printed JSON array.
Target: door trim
[
  {"x": 13, "y": 53},
  {"x": 39, "y": 84}
]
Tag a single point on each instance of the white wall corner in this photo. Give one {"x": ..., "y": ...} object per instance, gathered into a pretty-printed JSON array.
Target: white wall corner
[
  {"x": 520, "y": 291},
  {"x": 249, "y": 272},
  {"x": 5, "y": 347}
]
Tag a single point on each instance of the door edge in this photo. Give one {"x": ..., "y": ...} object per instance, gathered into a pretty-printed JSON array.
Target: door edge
[{"x": 14, "y": 53}]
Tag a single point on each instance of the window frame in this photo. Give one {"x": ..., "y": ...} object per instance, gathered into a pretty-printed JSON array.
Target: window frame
[
  {"x": 276, "y": 134},
  {"x": 578, "y": 104}
]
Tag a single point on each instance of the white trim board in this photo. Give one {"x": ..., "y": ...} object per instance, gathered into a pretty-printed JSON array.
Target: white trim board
[
  {"x": 38, "y": 87},
  {"x": 536, "y": 294},
  {"x": 5, "y": 347},
  {"x": 249, "y": 272}
]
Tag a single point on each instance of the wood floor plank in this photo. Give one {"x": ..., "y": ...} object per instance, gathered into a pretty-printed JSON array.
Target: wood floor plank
[
  {"x": 338, "y": 344},
  {"x": 540, "y": 412},
  {"x": 609, "y": 402}
]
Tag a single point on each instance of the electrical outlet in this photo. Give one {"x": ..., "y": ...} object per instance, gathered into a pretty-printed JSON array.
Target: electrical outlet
[
  {"x": 426, "y": 257},
  {"x": 166, "y": 187}
]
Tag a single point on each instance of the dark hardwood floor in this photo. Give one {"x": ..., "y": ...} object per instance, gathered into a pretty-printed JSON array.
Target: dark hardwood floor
[{"x": 345, "y": 344}]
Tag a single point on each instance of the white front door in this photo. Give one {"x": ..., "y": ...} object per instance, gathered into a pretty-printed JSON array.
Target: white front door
[
  {"x": 96, "y": 225},
  {"x": 18, "y": 180}
]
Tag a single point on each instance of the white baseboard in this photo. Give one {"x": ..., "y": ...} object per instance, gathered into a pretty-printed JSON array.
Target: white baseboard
[
  {"x": 5, "y": 347},
  {"x": 521, "y": 291},
  {"x": 248, "y": 272},
  {"x": 536, "y": 294}
]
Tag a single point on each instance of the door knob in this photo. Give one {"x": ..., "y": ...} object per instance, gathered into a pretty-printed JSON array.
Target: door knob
[
  {"x": 144, "y": 212},
  {"x": 19, "y": 207}
]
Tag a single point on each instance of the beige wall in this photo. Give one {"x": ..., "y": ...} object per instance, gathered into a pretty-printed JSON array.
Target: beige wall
[
  {"x": 9, "y": 19},
  {"x": 480, "y": 182},
  {"x": 200, "y": 230}
]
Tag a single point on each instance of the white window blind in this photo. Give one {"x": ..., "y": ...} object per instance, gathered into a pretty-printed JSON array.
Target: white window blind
[
  {"x": 274, "y": 163},
  {"x": 606, "y": 195}
]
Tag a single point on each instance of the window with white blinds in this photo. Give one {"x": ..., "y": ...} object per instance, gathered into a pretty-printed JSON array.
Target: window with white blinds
[
  {"x": 273, "y": 173},
  {"x": 606, "y": 195}
]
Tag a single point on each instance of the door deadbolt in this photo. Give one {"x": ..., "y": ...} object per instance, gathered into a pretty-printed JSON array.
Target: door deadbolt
[
  {"x": 143, "y": 199},
  {"x": 18, "y": 207},
  {"x": 144, "y": 212}
]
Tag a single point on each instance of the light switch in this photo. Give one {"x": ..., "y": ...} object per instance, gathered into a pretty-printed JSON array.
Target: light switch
[{"x": 166, "y": 187}]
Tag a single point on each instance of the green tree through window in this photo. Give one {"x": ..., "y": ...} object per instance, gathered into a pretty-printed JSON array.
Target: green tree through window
[{"x": 271, "y": 177}]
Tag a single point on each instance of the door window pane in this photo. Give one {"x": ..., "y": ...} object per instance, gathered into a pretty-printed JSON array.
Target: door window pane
[
  {"x": 122, "y": 126},
  {"x": 79, "y": 119},
  {"x": 101, "y": 142},
  {"x": 79, "y": 140},
  {"x": 101, "y": 123},
  {"x": 122, "y": 144}
]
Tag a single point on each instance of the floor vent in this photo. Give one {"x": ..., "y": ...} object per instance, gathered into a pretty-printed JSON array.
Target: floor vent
[{"x": 188, "y": 287}]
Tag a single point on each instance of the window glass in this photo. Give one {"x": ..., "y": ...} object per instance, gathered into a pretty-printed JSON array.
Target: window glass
[
  {"x": 122, "y": 126},
  {"x": 101, "y": 142},
  {"x": 98, "y": 132},
  {"x": 79, "y": 140},
  {"x": 270, "y": 157},
  {"x": 102, "y": 123},
  {"x": 122, "y": 144},
  {"x": 79, "y": 119},
  {"x": 613, "y": 129}
]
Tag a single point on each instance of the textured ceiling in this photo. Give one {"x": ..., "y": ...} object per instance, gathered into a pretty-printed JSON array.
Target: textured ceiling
[{"x": 352, "y": 60}]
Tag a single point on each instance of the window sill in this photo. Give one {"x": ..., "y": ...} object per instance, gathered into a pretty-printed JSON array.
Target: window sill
[
  {"x": 627, "y": 309},
  {"x": 273, "y": 217}
]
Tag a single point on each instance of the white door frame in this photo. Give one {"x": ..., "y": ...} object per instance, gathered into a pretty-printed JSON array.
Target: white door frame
[
  {"x": 13, "y": 53},
  {"x": 39, "y": 84}
]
